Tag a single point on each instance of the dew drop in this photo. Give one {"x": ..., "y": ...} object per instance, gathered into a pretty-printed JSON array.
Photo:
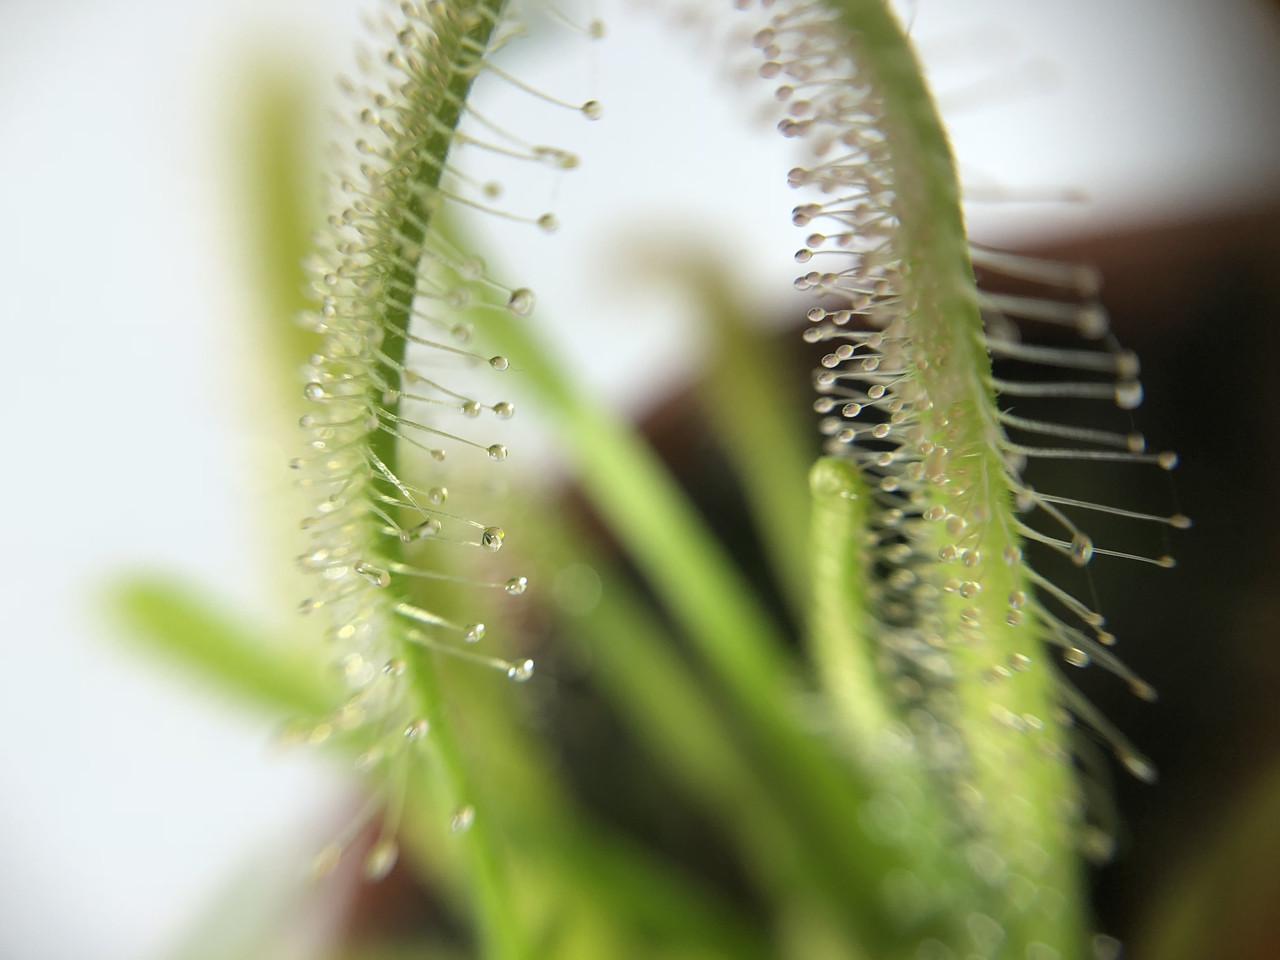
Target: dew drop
[
  {"x": 314, "y": 391},
  {"x": 499, "y": 363},
  {"x": 521, "y": 302},
  {"x": 438, "y": 495},
  {"x": 492, "y": 538},
  {"x": 520, "y": 672},
  {"x": 462, "y": 820},
  {"x": 516, "y": 586}
]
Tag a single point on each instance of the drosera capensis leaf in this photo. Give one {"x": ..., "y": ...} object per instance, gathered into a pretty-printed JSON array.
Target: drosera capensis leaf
[
  {"x": 390, "y": 288},
  {"x": 953, "y": 622},
  {"x": 909, "y": 378}
]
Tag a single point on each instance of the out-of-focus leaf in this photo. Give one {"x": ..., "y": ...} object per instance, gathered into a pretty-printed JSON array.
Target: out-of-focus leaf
[
  {"x": 1223, "y": 902},
  {"x": 184, "y": 626}
]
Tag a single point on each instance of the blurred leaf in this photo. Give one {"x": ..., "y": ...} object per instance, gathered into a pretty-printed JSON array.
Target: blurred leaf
[
  {"x": 1223, "y": 902},
  {"x": 758, "y": 415},
  {"x": 183, "y": 626},
  {"x": 280, "y": 178}
]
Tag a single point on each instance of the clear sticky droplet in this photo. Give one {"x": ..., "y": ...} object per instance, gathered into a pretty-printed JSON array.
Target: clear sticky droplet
[
  {"x": 548, "y": 223},
  {"x": 499, "y": 363},
  {"x": 497, "y": 451},
  {"x": 592, "y": 110},
  {"x": 375, "y": 575},
  {"x": 504, "y": 410},
  {"x": 471, "y": 408},
  {"x": 462, "y": 819},
  {"x": 1076, "y": 657},
  {"x": 314, "y": 391},
  {"x": 516, "y": 586},
  {"x": 473, "y": 632},
  {"x": 428, "y": 528},
  {"x": 417, "y": 729},
  {"x": 520, "y": 672},
  {"x": 1129, "y": 395},
  {"x": 381, "y": 860},
  {"x": 1081, "y": 550},
  {"x": 492, "y": 538},
  {"x": 1139, "y": 766},
  {"x": 521, "y": 302}
]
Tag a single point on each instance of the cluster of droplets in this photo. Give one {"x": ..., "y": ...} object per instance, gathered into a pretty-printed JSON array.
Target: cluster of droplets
[{"x": 394, "y": 294}]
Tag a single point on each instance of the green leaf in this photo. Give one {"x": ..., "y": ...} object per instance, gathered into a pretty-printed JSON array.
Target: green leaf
[{"x": 184, "y": 626}]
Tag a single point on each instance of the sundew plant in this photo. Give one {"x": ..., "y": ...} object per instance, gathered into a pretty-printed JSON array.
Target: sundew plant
[{"x": 900, "y": 780}]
